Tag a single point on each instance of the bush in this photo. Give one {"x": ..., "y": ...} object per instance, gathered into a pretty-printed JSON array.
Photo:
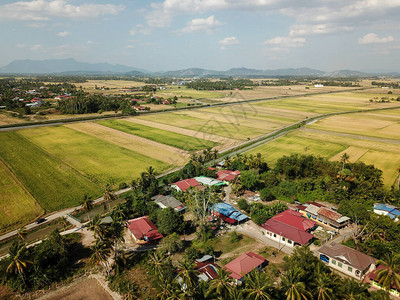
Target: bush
[
  {"x": 243, "y": 205},
  {"x": 192, "y": 253},
  {"x": 172, "y": 243},
  {"x": 235, "y": 237},
  {"x": 209, "y": 250},
  {"x": 122, "y": 185},
  {"x": 317, "y": 242},
  {"x": 266, "y": 195}
]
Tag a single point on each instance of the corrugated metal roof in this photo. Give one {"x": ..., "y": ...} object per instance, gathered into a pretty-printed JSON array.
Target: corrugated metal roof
[
  {"x": 292, "y": 233},
  {"x": 244, "y": 264}
]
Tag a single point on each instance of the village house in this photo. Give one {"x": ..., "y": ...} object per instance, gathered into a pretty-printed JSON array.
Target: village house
[
  {"x": 183, "y": 185},
  {"x": 347, "y": 260},
  {"x": 208, "y": 181},
  {"x": 208, "y": 270},
  {"x": 325, "y": 215},
  {"x": 143, "y": 230},
  {"x": 169, "y": 201},
  {"x": 387, "y": 210},
  {"x": 226, "y": 175},
  {"x": 228, "y": 213},
  {"x": 244, "y": 264},
  {"x": 289, "y": 228}
]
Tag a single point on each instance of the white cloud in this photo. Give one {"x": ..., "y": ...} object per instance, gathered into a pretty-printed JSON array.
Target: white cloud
[
  {"x": 231, "y": 40},
  {"x": 36, "y": 47},
  {"x": 140, "y": 28},
  {"x": 311, "y": 29},
  {"x": 43, "y": 10},
  {"x": 20, "y": 45},
  {"x": 64, "y": 33},
  {"x": 372, "y": 38},
  {"x": 286, "y": 42},
  {"x": 90, "y": 42},
  {"x": 209, "y": 25}
]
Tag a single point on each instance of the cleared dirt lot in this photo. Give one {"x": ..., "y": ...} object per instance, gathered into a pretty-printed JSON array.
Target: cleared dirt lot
[{"x": 88, "y": 289}]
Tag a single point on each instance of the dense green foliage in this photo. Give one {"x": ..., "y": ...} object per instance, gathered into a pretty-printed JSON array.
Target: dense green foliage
[
  {"x": 229, "y": 84},
  {"x": 37, "y": 267}
]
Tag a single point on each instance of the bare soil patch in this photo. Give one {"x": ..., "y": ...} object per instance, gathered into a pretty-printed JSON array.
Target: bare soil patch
[{"x": 88, "y": 289}]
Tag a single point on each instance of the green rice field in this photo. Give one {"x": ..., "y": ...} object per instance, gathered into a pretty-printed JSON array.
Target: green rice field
[{"x": 161, "y": 136}]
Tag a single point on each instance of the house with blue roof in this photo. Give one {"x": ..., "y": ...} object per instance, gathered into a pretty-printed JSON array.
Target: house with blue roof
[
  {"x": 387, "y": 210},
  {"x": 228, "y": 213}
]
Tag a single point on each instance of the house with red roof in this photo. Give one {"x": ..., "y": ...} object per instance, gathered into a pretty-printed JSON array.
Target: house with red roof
[
  {"x": 183, "y": 185},
  {"x": 208, "y": 270},
  {"x": 244, "y": 264},
  {"x": 143, "y": 230},
  {"x": 289, "y": 228},
  {"x": 227, "y": 175}
]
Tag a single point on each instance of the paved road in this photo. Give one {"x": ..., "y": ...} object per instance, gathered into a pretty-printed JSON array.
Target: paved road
[{"x": 56, "y": 215}]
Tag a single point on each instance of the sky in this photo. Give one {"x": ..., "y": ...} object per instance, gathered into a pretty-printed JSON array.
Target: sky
[{"x": 213, "y": 34}]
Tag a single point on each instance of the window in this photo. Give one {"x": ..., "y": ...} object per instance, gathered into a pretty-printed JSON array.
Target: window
[
  {"x": 350, "y": 269},
  {"x": 340, "y": 264},
  {"x": 274, "y": 234},
  {"x": 333, "y": 262},
  {"x": 289, "y": 241},
  {"x": 283, "y": 239}
]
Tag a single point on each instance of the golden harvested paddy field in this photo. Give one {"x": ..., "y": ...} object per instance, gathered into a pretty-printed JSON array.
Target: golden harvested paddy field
[
  {"x": 383, "y": 153},
  {"x": 381, "y": 124}
]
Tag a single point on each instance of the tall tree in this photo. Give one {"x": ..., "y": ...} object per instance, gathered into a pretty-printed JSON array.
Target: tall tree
[
  {"x": 221, "y": 286},
  {"x": 389, "y": 275},
  {"x": 293, "y": 288},
  {"x": 19, "y": 261},
  {"x": 101, "y": 252},
  {"x": 258, "y": 286},
  {"x": 87, "y": 204}
]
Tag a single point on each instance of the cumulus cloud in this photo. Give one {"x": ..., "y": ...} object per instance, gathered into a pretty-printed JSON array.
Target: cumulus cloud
[
  {"x": 140, "y": 28},
  {"x": 64, "y": 33},
  {"x": 372, "y": 38},
  {"x": 286, "y": 42},
  {"x": 209, "y": 25},
  {"x": 315, "y": 29},
  {"x": 231, "y": 40},
  {"x": 44, "y": 10},
  {"x": 36, "y": 47}
]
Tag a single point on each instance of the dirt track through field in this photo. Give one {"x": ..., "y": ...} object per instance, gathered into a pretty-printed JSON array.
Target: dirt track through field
[
  {"x": 225, "y": 142},
  {"x": 132, "y": 142}
]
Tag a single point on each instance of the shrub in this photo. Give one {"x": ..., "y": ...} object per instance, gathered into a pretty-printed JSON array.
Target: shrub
[
  {"x": 122, "y": 185},
  {"x": 235, "y": 237},
  {"x": 243, "y": 205},
  {"x": 266, "y": 195}
]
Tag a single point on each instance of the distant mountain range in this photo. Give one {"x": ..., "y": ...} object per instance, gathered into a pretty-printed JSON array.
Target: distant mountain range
[{"x": 72, "y": 67}]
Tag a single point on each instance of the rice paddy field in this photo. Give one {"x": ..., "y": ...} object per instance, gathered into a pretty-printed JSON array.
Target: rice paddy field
[
  {"x": 372, "y": 138},
  {"x": 50, "y": 168}
]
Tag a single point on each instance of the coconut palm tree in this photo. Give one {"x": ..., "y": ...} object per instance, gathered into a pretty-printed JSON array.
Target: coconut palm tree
[
  {"x": 258, "y": 286},
  {"x": 108, "y": 194},
  {"x": 221, "y": 286},
  {"x": 323, "y": 287},
  {"x": 170, "y": 290},
  {"x": 389, "y": 275},
  {"x": 99, "y": 230},
  {"x": 87, "y": 204},
  {"x": 157, "y": 260},
  {"x": 351, "y": 289},
  {"x": 101, "y": 252},
  {"x": 189, "y": 278},
  {"x": 22, "y": 233},
  {"x": 344, "y": 159},
  {"x": 18, "y": 264},
  {"x": 294, "y": 289}
]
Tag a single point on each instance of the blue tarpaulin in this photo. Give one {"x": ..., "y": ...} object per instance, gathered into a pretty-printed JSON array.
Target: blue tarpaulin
[{"x": 229, "y": 211}]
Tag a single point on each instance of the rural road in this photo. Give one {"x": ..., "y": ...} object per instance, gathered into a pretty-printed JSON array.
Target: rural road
[{"x": 56, "y": 215}]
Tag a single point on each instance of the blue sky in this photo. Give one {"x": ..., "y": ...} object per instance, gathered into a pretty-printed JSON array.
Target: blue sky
[{"x": 213, "y": 34}]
